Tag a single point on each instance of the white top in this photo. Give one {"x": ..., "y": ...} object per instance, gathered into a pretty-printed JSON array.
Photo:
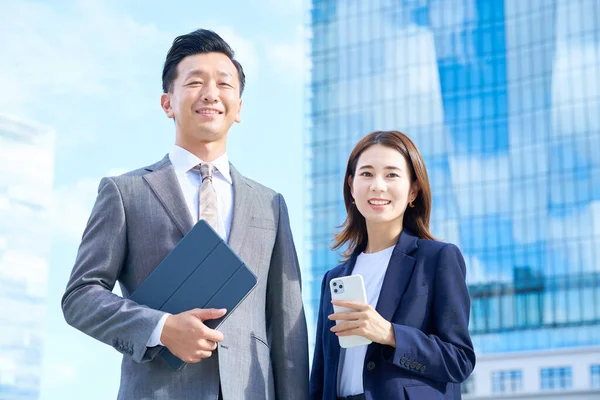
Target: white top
[
  {"x": 189, "y": 180},
  {"x": 372, "y": 267}
]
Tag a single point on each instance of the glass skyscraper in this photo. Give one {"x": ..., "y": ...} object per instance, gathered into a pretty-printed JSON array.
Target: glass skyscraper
[
  {"x": 502, "y": 97},
  {"x": 26, "y": 179}
]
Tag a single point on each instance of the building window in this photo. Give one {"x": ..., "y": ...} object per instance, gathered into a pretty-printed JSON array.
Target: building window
[
  {"x": 557, "y": 378},
  {"x": 595, "y": 372},
  {"x": 468, "y": 386},
  {"x": 509, "y": 381}
]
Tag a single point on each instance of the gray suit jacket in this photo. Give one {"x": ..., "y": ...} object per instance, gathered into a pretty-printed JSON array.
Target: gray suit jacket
[{"x": 137, "y": 219}]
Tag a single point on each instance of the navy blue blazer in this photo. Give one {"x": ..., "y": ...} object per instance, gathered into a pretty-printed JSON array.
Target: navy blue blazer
[{"x": 425, "y": 297}]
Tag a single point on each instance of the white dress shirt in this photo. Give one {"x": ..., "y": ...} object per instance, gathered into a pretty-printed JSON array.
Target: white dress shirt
[
  {"x": 189, "y": 180},
  {"x": 372, "y": 267}
]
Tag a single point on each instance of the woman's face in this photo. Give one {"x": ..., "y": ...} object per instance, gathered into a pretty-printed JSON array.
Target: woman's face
[{"x": 382, "y": 186}]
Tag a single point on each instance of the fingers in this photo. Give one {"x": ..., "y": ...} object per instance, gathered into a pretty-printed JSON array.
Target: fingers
[
  {"x": 208, "y": 313},
  {"x": 353, "y": 332},
  {"x": 212, "y": 335},
  {"x": 348, "y": 326},
  {"x": 197, "y": 357},
  {"x": 207, "y": 345},
  {"x": 346, "y": 316},
  {"x": 351, "y": 304}
]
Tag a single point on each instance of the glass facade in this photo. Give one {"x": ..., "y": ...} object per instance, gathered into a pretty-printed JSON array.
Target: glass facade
[
  {"x": 26, "y": 179},
  {"x": 558, "y": 378},
  {"x": 595, "y": 376},
  {"x": 502, "y": 99},
  {"x": 507, "y": 381}
]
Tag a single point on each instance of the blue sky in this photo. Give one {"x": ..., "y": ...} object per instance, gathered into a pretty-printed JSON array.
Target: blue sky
[{"x": 92, "y": 72}]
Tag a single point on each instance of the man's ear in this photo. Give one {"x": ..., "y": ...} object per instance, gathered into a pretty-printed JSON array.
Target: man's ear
[
  {"x": 238, "y": 117},
  {"x": 165, "y": 104}
]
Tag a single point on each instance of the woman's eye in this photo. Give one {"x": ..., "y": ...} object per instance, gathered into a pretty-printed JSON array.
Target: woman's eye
[
  {"x": 393, "y": 175},
  {"x": 365, "y": 174}
]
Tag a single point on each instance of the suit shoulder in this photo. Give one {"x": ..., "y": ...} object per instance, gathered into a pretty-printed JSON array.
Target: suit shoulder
[
  {"x": 129, "y": 181},
  {"x": 129, "y": 175},
  {"x": 335, "y": 271},
  {"x": 435, "y": 246},
  {"x": 261, "y": 189},
  {"x": 147, "y": 169}
]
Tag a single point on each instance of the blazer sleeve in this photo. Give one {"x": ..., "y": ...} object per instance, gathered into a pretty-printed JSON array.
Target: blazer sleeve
[
  {"x": 88, "y": 303},
  {"x": 286, "y": 323},
  {"x": 446, "y": 355},
  {"x": 317, "y": 374}
]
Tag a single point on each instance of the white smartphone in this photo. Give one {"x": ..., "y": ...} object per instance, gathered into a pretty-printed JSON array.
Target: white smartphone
[{"x": 349, "y": 288}]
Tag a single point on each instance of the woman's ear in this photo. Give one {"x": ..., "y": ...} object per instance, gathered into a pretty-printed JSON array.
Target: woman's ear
[
  {"x": 350, "y": 179},
  {"x": 414, "y": 192}
]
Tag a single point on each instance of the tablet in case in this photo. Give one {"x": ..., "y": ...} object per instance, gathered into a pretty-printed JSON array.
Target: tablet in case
[{"x": 200, "y": 272}]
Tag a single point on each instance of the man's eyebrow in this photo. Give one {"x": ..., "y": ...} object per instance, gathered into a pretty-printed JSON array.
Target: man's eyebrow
[{"x": 195, "y": 72}]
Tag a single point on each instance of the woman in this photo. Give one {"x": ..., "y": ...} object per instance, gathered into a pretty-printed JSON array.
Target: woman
[{"x": 418, "y": 311}]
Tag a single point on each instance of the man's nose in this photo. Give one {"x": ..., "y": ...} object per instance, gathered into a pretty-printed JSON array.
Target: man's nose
[{"x": 210, "y": 93}]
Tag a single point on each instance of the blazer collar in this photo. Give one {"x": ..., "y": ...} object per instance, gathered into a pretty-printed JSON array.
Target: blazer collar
[
  {"x": 163, "y": 182},
  {"x": 395, "y": 282},
  {"x": 397, "y": 275},
  {"x": 406, "y": 245}
]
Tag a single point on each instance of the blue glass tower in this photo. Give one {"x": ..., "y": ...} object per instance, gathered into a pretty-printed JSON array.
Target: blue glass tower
[{"x": 502, "y": 97}]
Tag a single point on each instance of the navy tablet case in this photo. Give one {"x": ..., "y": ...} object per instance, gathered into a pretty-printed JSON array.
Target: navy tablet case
[{"x": 200, "y": 272}]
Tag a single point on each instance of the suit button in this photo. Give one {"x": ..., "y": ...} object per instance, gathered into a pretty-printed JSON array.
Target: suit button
[
  {"x": 370, "y": 366},
  {"x": 423, "y": 368},
  {"x": 413, "y": 364},
  {"x": 403, "y": 360}
]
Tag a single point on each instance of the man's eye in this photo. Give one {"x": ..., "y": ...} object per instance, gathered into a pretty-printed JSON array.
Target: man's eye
[{"x": 195, "y": 83}]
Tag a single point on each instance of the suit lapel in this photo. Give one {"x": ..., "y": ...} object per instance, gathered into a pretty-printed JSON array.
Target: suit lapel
[
  {"x": 397, "y": 277},
  {"x": 165, "y": 186},
  {"x": 243, "y": 209}
]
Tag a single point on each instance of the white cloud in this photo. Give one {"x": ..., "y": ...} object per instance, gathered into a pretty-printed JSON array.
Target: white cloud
[
  {"x": 289, "y": 59},
  {"x": 56, "y": 60}
]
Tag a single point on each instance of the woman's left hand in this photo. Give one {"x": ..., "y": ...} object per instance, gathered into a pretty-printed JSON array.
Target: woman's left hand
[{"x": 364, "y": 321}]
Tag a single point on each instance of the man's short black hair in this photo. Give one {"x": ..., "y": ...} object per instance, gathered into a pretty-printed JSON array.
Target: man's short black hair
[{"x": 197, "y": 42}]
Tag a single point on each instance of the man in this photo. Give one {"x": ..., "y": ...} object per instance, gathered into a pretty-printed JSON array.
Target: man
[{"x": 260, "y": 351}]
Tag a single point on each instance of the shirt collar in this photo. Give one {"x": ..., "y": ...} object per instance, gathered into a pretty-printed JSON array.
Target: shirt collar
[{"x": 183, "y": 161}]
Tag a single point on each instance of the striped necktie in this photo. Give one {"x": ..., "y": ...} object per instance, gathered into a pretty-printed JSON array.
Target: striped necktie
[{"x": 207, "y": 203}]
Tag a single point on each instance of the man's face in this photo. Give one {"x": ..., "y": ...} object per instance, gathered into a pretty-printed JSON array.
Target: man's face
[{"x": 204, "y": 99}]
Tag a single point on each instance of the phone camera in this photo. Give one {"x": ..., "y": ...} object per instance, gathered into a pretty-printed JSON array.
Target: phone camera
[
  {"x": 334, "y": 283},
  {"x": 335, "y": 290},
  {"x": 341, "y": 287}
]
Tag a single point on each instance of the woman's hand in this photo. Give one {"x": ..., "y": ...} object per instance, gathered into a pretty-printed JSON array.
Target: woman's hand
[{"x": 363, "y": 321}]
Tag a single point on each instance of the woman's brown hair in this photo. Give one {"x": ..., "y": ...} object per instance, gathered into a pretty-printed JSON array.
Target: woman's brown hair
[{"x": 416, "y": 219}]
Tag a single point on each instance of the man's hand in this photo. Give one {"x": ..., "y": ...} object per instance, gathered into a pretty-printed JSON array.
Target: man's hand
[
  {"x": 364, "y": 321},
  {"x": 188, "y": 338}
]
